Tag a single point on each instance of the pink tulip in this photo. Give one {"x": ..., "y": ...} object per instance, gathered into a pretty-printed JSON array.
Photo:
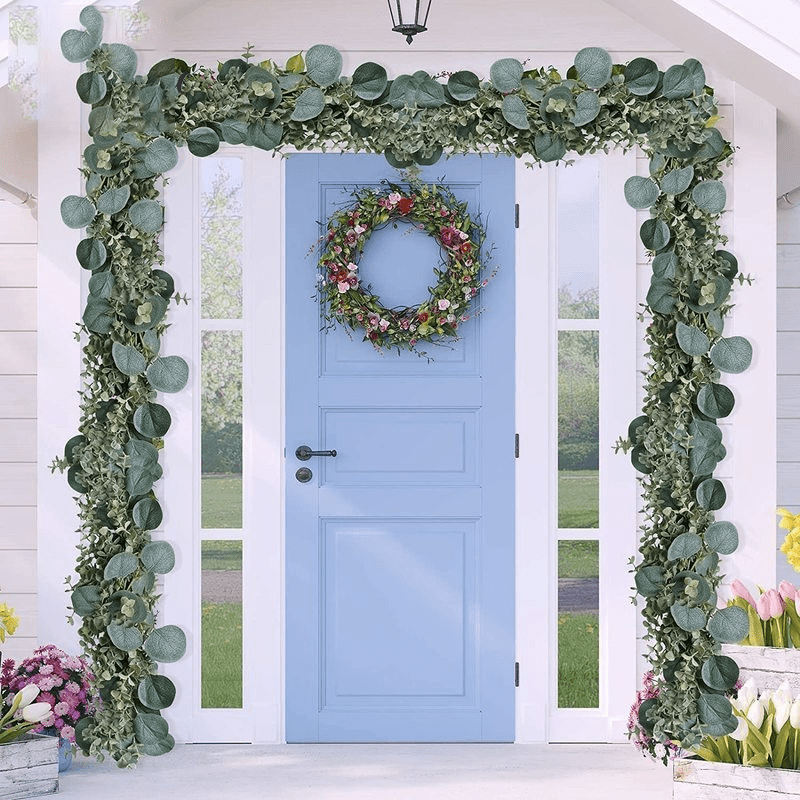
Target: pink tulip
[
  {"x": 740, "y": 590},
  {"x": 775, "y": 603},
  {"x": 787, "y": 591},
  {"x": 762, "y": 606}
]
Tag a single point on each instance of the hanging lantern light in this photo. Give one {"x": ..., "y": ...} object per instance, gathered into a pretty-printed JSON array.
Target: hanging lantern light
[{"x": 406, "y": 9}]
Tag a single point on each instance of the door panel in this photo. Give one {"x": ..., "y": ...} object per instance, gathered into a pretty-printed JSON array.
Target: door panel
[{"x": 400, "y": 550}]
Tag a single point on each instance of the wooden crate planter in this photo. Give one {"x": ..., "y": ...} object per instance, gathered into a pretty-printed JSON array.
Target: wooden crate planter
[
  {"x": 29, "y": 767},
  {"x": 769, "y": 666},
  {"x": 693, "y": 779}
]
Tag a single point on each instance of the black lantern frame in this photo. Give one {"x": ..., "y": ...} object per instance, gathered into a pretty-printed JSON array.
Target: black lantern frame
[{"x": 409, "y": 29}]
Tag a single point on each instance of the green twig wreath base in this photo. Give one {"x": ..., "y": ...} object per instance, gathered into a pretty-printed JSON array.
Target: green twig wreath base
[
  {"x": 137, "y": 123},
  {"x": 430, "y": 208}
]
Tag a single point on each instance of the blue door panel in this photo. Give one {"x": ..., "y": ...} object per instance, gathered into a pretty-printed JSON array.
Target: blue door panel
[{"x": 400, "y": 551}]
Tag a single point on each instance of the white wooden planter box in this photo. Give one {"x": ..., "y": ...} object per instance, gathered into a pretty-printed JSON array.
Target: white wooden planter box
[
  {"x": 29, "y": 767},
  {"x": 693, "y": 779},
  {"x": 770, "y": 666}
]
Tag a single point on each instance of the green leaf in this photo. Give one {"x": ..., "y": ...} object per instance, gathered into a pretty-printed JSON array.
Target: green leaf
[
  {"x": 75, "y": 479},
  {"x": 549, "y": 147},
  {"x": 645, "y": 713},
  {"x": 144, "y": 584},
  {"x": 712, "y": 146},
  {"x": 733, "y": 354},
  {"x": 112, "y": 201},
  {"x": 711, "y": 494},
  {"x": 264, "y": 134},
  {"x": 146, "y": 215},
  {"x": 506, "y": 74},
  {"x": 688, "y": 618},
  {"x": 649, "y": 580},
  {"x": 69, "y": 448},
  {"x": 720, "y": 673},
  {"x": 463, "y": 85},
  {"x": 86, "y": 600},
  {"x": 593, "y": 65},
  {"x": 153, "y": 310},
  {"x": 654, "y": 234},
  {"x": 716, "y": 713},
  {"x": 727, "y": 264},
  {"x": 515, "y": 113},
  {"x": 77, "y": 46},
  {"x": 83, "y": 733},
  {"x": 638, "y": 460},
  {"x": 147, "y": 514},
  {"x": 122, "y": 59},
  {"x": 685, "y": 545},
  {"x": 168, "y": 374},
  {"x": 152, "y": 419},
  {"x": 77, "y": 212},
  {"x": 703, "y": 459},
  {"x": 323, "y": 64},
  {"x": 91, "y": 87},
  {"x": 92, "y": 20},
  {"x": 729, "y": 625},
  {"x": 233, "y": 131},
  {"x": 722, "y": 537},
  {"x": 310, "y": 104},
  {"x": 158, "y": 557},
  {"x": 160, "y": 155},
  {"x": 641, "y": 192},
  {"x": 296, "y": 63},
  {"x": 661, "y": 296},
  {"x": 156, "y": 692},
  {"x": 691, "y": 339},
  {"x": 150, "y": 728},
  {"x": 159, "y": 748},
  {"x": 641, "y": 76},
  {"x": 677, "y": 181},
  {"x": 430, "y": 93},
  {"x": 696, "y": 73},
  {"x": 715, "y": 400},
  {"x": 710, "y": 196},
  {"x": 369, "y": 81},
  {"x": 640, "y": 423},
  {"x": 169, "y": 283},
  {"x": 120, "y": 566},
  {"x": 202, "y": 142},
  {"x": 166, "y": 644},
  {"x": 396, "y": 161},
  {"x": 97, "y": 316},
  {"x": 124, "y": 637},
  {"x": 678, "y": 83},
  {"x": 707, "y": 564},
  {"x": 128, "y": 359},
  {"x": 169, "y": 66},
  {"x": 91, "y": 253},
  {"x": 665, "y": 264},
  {"x": 429, "y": 160},
  {"x": 587, "y": 107}
]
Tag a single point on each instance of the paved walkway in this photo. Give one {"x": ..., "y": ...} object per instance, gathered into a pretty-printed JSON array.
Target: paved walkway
[{"x": 377, "y": 772}]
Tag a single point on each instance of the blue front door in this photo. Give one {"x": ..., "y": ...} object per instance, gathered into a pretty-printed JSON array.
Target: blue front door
[{"x": 400, "y": 550}]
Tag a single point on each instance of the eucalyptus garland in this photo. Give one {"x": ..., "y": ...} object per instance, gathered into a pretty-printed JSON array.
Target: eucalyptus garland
[
  {"x": 136, "y": 124},
  {"x": 431, "y": 208}
]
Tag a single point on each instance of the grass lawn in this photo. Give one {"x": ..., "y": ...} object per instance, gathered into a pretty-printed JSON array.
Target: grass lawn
[
  {"x": 578, "y": 498},
  {"x": 221, "y": 501},
  {"x": 221, "y": 554},
  {"x": 578, "y": 661},
  {"x": 578, "y": 558},
  {"x": 221, "y": 677}
]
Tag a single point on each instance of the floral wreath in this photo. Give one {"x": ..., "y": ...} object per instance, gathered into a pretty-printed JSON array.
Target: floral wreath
[{"x": 431, "y": 208}]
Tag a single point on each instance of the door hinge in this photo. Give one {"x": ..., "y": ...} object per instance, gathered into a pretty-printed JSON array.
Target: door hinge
[
  {"x": 516, "y": 445},
  {"x": 516, "y": 215},
  {"x": 516, "y": 674}
]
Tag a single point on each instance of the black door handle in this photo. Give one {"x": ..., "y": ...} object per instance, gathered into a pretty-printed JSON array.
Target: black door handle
[{"x": 304, "y": 453}]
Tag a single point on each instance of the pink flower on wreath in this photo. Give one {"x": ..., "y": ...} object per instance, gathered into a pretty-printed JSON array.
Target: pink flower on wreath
[
  {"x": 360, "y": 317},
  {"x": 450, "y": 237},
  {"x": 359, "y": 229},
  {"x": 383, "y": 325},
  {"x": 405, "y": 204},
  {"x": 373, "y": 320},
  {"x": 352, "y": 266},
  {"x": 444, "y": 304},
  {"x": 404, "y": 324},
  {"x": 351, "y": 237},
  {"x": 344, "y": 286},
  {"x": 337, "y": 249}
]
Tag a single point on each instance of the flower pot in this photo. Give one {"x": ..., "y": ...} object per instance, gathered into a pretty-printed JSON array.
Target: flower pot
[
  {"x": 693, "y": 779},
  {"x": 769, "y": 666},
  {"x": 29, "y": 767}
]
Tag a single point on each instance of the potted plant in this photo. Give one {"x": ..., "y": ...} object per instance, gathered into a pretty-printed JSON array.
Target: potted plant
[{"x": 64, "y": 683}]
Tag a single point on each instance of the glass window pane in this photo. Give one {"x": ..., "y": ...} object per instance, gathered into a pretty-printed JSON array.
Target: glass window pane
[
  {"x": 578, "y": 221},
  {"x": 221, "y": 429},
  {"x": 221, "y": 626},
  {"x": 578, "y": 624},
  {"x": 578, "y": 429},
  {"x": 221, "y": 238}
]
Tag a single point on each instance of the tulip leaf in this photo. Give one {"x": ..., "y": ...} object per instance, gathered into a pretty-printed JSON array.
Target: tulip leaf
[
  {"x": 722, "y": 537},
  {"x": 732, "y": 355},
  {"x": 120, "y": 566},
  {"x": 688, "y": 618},
  {"x": 125, "y": 637},
  {"x": 716, "y": 714},
  {"x": 720, "y": 672},
  {"x": 166, "y": 644},
  {"x": 729, "y": 625},
  {"x": 158, "y": 557},
  {"x": 156, "y": 692},
  {"x": 685, "y": 545}
]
